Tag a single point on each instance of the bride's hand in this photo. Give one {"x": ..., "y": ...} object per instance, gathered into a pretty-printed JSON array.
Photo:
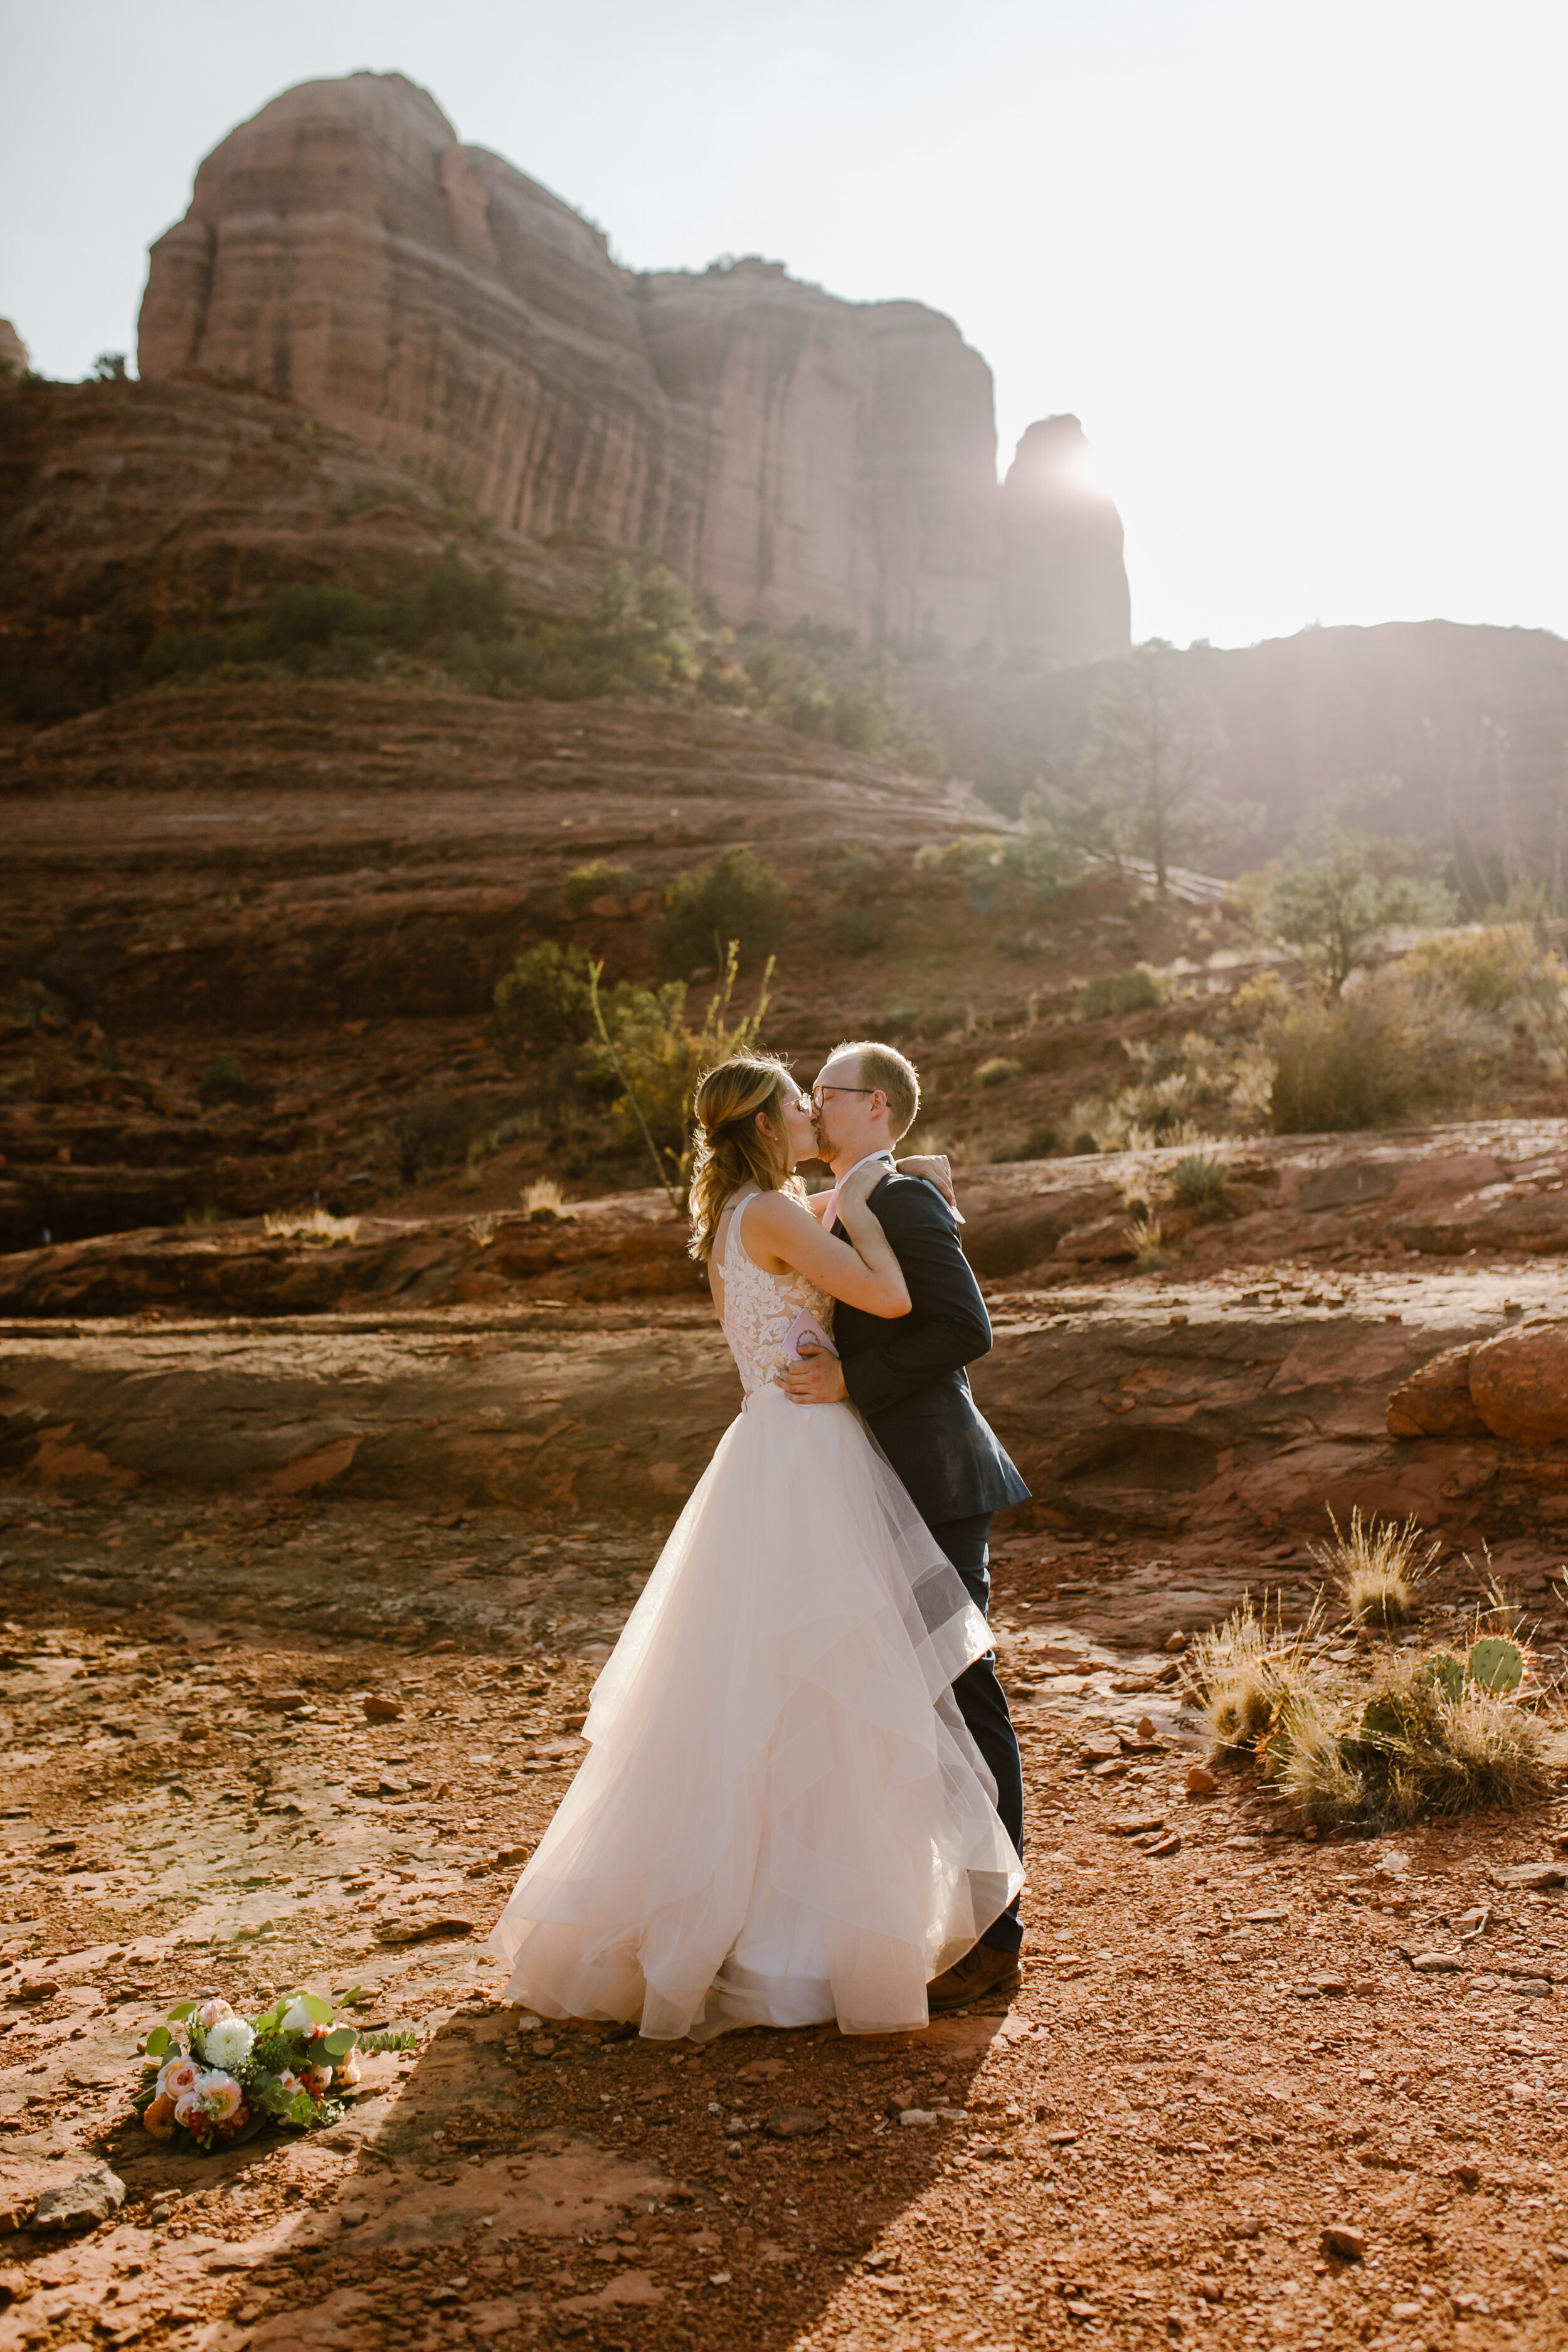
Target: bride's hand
[
  {"x": 934, "y": 1166},
  {"x": 857, "y": 1189}
]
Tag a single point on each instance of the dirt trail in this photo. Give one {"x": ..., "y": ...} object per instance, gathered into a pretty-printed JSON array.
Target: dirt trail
[{"x": 1218, "y": 2049}]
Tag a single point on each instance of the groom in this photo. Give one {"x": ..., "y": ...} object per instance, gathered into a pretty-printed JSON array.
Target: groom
[{"x": 907, "y": 1379}]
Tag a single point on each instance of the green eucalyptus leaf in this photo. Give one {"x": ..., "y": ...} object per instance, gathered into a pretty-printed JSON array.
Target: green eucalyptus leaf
[
  {"x": 340, "y": 2042},
  {"x": 321, "y": 2011},
  {"x": 158, "y": 2040},
  {"x": 181, "y": 2011}
]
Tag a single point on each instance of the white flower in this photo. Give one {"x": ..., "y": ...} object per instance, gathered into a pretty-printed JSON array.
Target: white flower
[
  {"x": 229, "y": 2042},
  {"x": 297, "y": 2019}
]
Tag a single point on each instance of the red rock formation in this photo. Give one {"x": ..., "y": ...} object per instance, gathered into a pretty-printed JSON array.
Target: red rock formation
[
  {"x": 796, "y": 454},
  {"x": 1064, "y": 583},
  {"x": 14, "y": 353},
  {"x": 1519, "y": 1383},
  {"x": 1435, "y": 1399}
]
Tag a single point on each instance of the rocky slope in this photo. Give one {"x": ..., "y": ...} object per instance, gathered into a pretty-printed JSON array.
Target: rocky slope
[
  {"x": 797, "y": 456},
  {"x": 1468, "y": 722}
]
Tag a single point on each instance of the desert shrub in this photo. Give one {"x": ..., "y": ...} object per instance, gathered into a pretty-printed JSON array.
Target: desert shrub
[
  {"x": 544, "y": 1201},
  {"x": 1378, "y": 1568},
  {"x": 297, "y": 618},
  {"x": 1437, "y": 1736},
  {"x": 645, "y": 1047},
  {"x": 736, "y": 897},
  {"x": 1482, "y": 966},
  {"x": 1249, "y": 1672},
  {"x": 597, "y": 881},
  {"x": 315, "y": 1225},
  {"x": 1200, "y": 1181},
  {"x": 1119, "y": 992},
  {"x": 1339, "y": 888},
  {"x": 999, "y": 1071},
  {"x": 856, "y": 930},
  {"x": 541, "y": 1005},
  {"x": 223, "y": 1080},
  {"x": 1369, "y": 1057}
]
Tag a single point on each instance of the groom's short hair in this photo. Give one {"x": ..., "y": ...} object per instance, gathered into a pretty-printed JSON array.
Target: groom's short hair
[{"x": 885, "y": 1066}]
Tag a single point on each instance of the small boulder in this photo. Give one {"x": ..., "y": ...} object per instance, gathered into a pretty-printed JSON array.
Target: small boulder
[
  {"x": 1200, "y": 1781},
  {"x": 794, "y": 2123},
  {"x": 1435, "y": 1399},
  {"x": 1344, "y": 2244},
  {"x": 1518, "y": 1382},
  {"x": 380, "y": 1710},
  {"x": 95, "y": 2195}
]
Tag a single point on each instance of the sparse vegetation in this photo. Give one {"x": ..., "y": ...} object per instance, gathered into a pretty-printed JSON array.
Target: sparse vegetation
[
  {"x": 1377, "y": 1568},
  {"x": 1001, "y": 1070},
  {"x": 656, "y": 1060},
  {"x": 1146, "y": 1238},
  {"x": 598, "y": 879},
  {"x": 1117, "y": 992},
  {"x": 1340, "y": 888},
  {"x": 1369, "y": 1057},
  {"x": 736, "y": 899},
  {"x": 856, "y": 930},
  {"x": 316, "y": 1224},
  {"x": 1248, "y": 1672},
  {"x": 223, "y": 1080},
  {"x": 1151, "y": 764},
  {"x": 544, "y": 1201},
  {"x": 1200, "y": 1181},
  {"x": 541, "y": 1006}
]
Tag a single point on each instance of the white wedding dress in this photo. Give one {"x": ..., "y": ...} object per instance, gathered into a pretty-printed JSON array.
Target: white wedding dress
[{"x": 781, "y": 1817}]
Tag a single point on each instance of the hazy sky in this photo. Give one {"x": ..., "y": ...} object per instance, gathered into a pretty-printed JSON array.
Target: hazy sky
[{"x": 1296, "y": 264}]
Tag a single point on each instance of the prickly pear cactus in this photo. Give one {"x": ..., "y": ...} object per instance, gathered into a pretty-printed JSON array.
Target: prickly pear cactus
[
  {"x": 1448, "y": 1672},
  {"x": 1497, "y": 1664},
  {"x": 1381, "y": 1722}
]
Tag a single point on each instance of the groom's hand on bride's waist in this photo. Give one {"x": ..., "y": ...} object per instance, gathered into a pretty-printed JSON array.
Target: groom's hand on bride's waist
[{"x": 817, "y": 1379}]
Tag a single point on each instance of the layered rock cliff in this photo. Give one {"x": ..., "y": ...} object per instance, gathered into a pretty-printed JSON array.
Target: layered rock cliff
[
  {"x": 1064, "y": 584},
  {"x": 796, "y": 454}
]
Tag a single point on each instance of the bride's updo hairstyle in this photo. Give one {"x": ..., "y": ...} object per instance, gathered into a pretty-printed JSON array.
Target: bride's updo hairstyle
[{"x": 729, "y": 1148}]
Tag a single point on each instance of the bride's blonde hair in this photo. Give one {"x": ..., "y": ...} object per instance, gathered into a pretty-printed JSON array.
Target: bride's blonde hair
[{"x": 730, "y": 1149}]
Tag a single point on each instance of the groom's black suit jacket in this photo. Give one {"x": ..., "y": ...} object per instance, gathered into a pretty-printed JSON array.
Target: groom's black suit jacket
[{"x": 907, "y": 1374}]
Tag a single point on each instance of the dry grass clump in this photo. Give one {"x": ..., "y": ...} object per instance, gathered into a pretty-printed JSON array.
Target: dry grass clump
[
  {"x": 1200, "y": 1181},
  {"x": 1377, "y": 1568},
  {"x": 1369, "y": 1058},
  {"x": 1428, "y": 1742},
  {"x": 311, "y": 1225},
  {"x": 543, "y": 1199},
  {"x": 1251, "y": 1676},
  {"x": 1146, "y": 1239}
]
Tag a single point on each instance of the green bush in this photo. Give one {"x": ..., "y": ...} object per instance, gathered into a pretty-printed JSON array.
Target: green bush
[
  {"x": 736, "y": 898},
  {"x": 1119, "y": 992},
  {"x": 1369, "y": 1058},
  {"x": 1200, "y": 1181},
  {"x": 223, "y": 1080},
  {"x": 597, "y": 881},
  {"x": 541, "y": 1005},
  {"x": 1000, "y": 1071},
  {"x": 856, "y": 930}
]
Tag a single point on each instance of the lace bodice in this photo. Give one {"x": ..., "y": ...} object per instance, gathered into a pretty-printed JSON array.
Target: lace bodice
[{"x": 759, "y": 1308}]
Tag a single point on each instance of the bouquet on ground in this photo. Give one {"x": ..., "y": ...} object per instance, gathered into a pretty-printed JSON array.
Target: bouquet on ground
[{"x": 213, "y": 2078}]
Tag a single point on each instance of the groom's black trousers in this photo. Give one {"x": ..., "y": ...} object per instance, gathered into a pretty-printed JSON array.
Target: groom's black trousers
[{"x": 983, "y": 1705}]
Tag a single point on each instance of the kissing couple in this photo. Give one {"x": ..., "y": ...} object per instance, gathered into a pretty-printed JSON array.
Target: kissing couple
[{"x": 803, "y": 1798}]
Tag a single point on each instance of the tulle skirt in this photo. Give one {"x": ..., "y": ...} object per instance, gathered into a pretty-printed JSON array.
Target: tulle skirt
[{"x": 781, "y": 1817}]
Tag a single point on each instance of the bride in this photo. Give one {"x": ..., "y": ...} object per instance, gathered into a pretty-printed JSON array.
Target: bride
[{"x": 780, "y": 1819}]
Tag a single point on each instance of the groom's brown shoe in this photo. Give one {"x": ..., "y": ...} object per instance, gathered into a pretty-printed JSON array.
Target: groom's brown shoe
[{"x": 981, "y": 1971}]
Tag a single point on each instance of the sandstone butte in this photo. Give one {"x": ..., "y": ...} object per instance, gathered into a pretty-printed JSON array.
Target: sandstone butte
[{"x": 796, "y": 456}]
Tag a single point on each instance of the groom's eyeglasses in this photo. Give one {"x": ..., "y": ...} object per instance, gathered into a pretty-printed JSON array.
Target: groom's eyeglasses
[{"x": 818, "y": 1092}]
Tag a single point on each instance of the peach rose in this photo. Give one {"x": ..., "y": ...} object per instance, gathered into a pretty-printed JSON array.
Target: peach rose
[
  {"x": 210, "y": 2011},
  {"x": 180, "y": 2075},
  {"x": 347, "y": 2068},
  {"x": 159, "y": 2117}
]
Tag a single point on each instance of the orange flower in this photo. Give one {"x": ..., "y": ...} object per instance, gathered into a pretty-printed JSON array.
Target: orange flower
[{"x": 159, "y": 2117}]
